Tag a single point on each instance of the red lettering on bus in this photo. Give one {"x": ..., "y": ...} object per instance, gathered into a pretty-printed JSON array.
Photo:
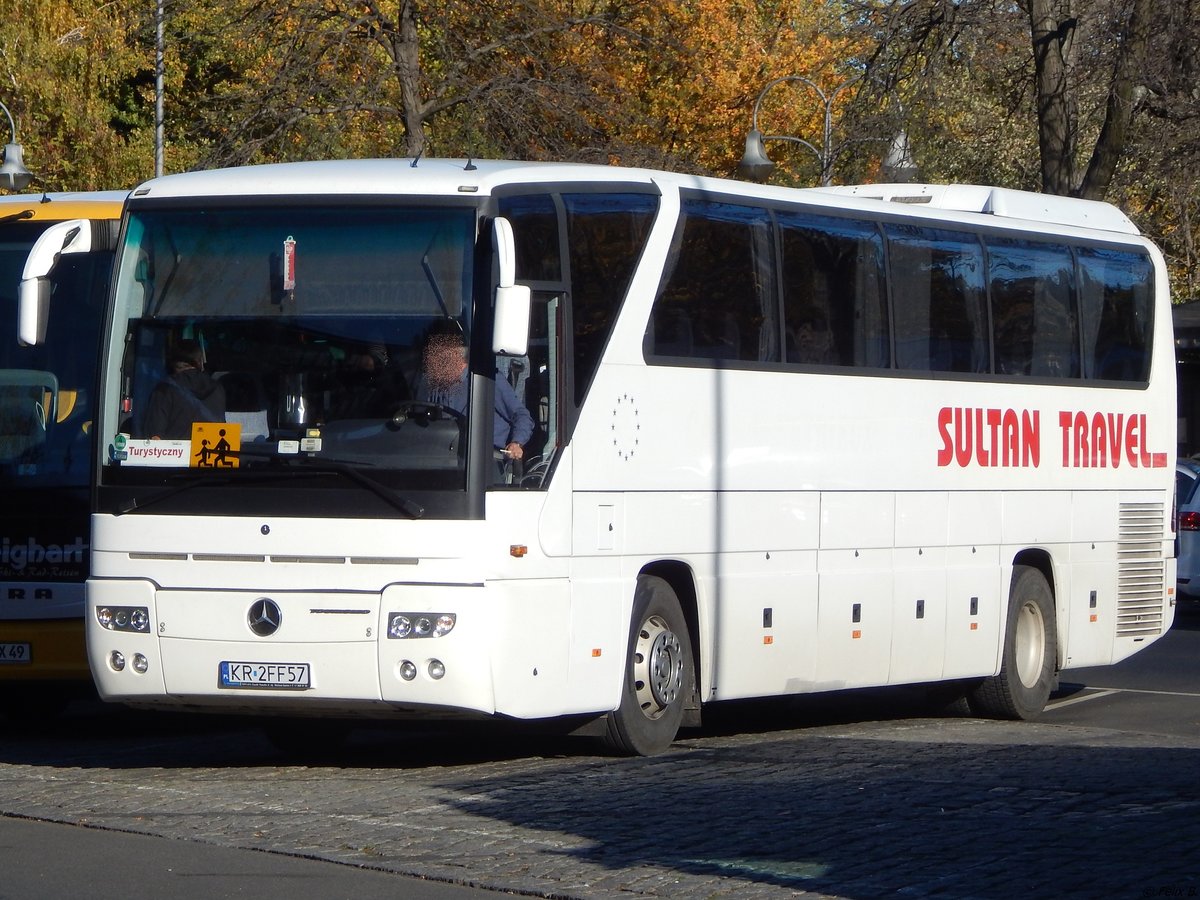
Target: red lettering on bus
[
  {"x": 991, "y": 438},
  {"x": 1103, "y": 440}
]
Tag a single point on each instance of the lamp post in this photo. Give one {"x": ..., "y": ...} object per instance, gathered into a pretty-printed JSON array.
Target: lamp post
[
  {"x": 13, "y": 174},
  {"x": 755, "y": 163},
  {"x": 159, "y": 15},
  {"x": 898, "y": 165}
]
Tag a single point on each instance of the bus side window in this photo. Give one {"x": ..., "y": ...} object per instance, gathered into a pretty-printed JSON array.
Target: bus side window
[
  {"x": 1033, "y": 307},
  {"x": 720, "y": 280},
  {"x": 1116, "y": 296},
  {"x": 940, "y": 299},
  {"x": 834, "y": 306}
]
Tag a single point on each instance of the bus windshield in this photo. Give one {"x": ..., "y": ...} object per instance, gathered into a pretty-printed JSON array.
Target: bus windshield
[
  {"x": 45, "y": 390},
  {"x": 299, "y": 330}
]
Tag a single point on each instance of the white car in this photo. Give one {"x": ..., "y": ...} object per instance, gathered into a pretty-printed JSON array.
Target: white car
[{"x": 1187, "y": 548}]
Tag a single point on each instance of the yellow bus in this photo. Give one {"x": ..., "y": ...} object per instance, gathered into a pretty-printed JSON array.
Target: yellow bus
[{"x": 46, "y": 397}]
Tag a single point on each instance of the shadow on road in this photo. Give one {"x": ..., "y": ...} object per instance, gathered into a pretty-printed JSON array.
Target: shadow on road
[{"x": 867, "y": 818}]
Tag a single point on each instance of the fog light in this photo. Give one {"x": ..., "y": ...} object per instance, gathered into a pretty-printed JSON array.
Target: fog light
[
  {"x": 141, "y": 665},
  {"x": 424, "y": 627},
  {"x": 139, "y": 620},
  {"x": 445, "y": 623},
  {"x": 437, "y": 669},
  {"x": 104, "y": 616},
  {"x": 399, "y": 626},
  {"x": 116, "y": 661},
  {"x": 408, "y": 671}
]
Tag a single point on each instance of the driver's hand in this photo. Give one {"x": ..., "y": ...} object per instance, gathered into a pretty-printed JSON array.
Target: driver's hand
[{"x": 515, "y": 450}]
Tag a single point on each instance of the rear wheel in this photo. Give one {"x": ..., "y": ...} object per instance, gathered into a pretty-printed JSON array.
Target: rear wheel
[
  {"x": 1026, "y": 677},
  {"x": 659, "y": 673}
]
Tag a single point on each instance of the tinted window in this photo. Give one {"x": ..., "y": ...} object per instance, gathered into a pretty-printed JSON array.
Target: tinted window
[
  {"x": 534, "y": 218},
  {"x": 1116, "y": 292},
  {"x": 834, "y": 305},
  {"x": 1185, "y": 486},
  {"x": 938, "y": 300},
  {"x": 717, "y": 299},
  {"x": 1033, "y": 307},
  {"x": 607, "y": 233}
]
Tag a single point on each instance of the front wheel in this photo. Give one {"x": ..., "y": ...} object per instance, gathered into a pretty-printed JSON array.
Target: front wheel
[
  {"x": 659, "y": 673},
  {"x": 1026, "y": 676}
]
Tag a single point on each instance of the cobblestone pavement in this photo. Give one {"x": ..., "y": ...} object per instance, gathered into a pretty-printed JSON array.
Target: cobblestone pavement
[{"x": 914, "y": 807}]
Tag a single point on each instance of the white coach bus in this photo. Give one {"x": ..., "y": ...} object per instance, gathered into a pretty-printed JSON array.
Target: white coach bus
[{"x": 782, "y": 441}]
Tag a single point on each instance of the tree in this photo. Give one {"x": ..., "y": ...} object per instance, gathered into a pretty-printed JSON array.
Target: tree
[
  {"x": 68, "y": 72},
  {"x": 686, "y": 74},
  {"x": 1053, "y": 30},
  {"x": 1083, "y": 62},
  {"x": 335, "y": 78}
]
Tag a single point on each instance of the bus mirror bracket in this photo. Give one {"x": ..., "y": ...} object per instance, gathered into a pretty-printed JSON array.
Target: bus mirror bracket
[
  {"x": 510, "y": 332},
  {"x": 33, "y": 293}
]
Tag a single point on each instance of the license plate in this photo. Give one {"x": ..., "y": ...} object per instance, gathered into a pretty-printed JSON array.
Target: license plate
[
  {"x": 264, "y": 676},
  {"x": 20, "y": 654}
]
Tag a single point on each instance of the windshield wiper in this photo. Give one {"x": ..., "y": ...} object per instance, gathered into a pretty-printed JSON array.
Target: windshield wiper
[
  {"x": 186, "y": 483},
  {"x": 339, "y": 467}
]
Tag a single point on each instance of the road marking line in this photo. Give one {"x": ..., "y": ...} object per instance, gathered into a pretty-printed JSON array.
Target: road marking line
[
  {"x": 1080, "y": 699},
  {"x": 1142, "y": 691}
]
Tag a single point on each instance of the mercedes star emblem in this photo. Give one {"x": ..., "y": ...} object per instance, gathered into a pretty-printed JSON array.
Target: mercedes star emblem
[{"x": 264, "y": 617}]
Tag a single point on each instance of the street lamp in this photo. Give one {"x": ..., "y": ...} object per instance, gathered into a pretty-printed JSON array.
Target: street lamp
[
  {"x": 755, "y": 163},
  {"x": 898, "y": 165},
  {"x": 13, "y": 174}
]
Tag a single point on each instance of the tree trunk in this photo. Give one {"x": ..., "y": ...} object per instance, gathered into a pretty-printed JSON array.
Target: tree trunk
[
  {"x": 1052, "y": 26},
  {"x": 407, "y": 56},
  {"x": 1131, "y": 63}
]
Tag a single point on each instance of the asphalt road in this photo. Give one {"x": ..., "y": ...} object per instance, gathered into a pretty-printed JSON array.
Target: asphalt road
[
  {"x": 856, "y": 795},
  {"x": 54, "y": 861},
  {"x": 1156, "y": 691}
]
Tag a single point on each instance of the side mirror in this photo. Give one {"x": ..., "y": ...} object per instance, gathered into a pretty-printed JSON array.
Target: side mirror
[
  {"x": 510, "y": 332},
  {"x": 33, "y": 293}
]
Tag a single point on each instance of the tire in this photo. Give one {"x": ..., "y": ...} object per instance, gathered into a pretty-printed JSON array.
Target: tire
[
  {"x": 1027, "y": 670},
  {"x": 659, "y": 673}
]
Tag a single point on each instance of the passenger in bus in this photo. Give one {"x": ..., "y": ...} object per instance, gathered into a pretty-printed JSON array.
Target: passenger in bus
[
  {"x": 445, "y": 373},
  {"x": 188, "y": 394},
  {"x": 811, "y": 340}
]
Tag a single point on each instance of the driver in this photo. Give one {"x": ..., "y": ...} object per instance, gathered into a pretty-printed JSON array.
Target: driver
[{"x": 445, "y": 370}]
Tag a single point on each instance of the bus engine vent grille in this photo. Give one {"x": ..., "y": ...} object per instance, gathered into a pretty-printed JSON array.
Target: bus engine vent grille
[{"x": 1141, "y": 570}]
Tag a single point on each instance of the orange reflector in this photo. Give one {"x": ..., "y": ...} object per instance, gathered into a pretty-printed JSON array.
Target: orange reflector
[
  {"x": 767, "y": 639},
  {"x": 595, "y": 652},
  {"x": 974, "y": 626},
  {"x": 1093, "y": 617},
  {"x": 518, "y": 550},
  {"x": 856, "y": 634}
]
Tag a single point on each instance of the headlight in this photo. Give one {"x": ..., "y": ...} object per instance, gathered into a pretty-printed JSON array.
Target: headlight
[
  {"x": 403, "y": 625},
  {"x": 399, "y": 625},
  {"x": 124, "y": 618}
]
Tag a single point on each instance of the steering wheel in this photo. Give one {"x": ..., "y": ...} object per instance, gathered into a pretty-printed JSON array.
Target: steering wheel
[{"x": 424, "y": 412}]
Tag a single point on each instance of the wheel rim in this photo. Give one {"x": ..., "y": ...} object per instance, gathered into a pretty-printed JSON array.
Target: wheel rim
[
  {"x": 657, "y": 667},
  {"x": 1030, "y": 644}
]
